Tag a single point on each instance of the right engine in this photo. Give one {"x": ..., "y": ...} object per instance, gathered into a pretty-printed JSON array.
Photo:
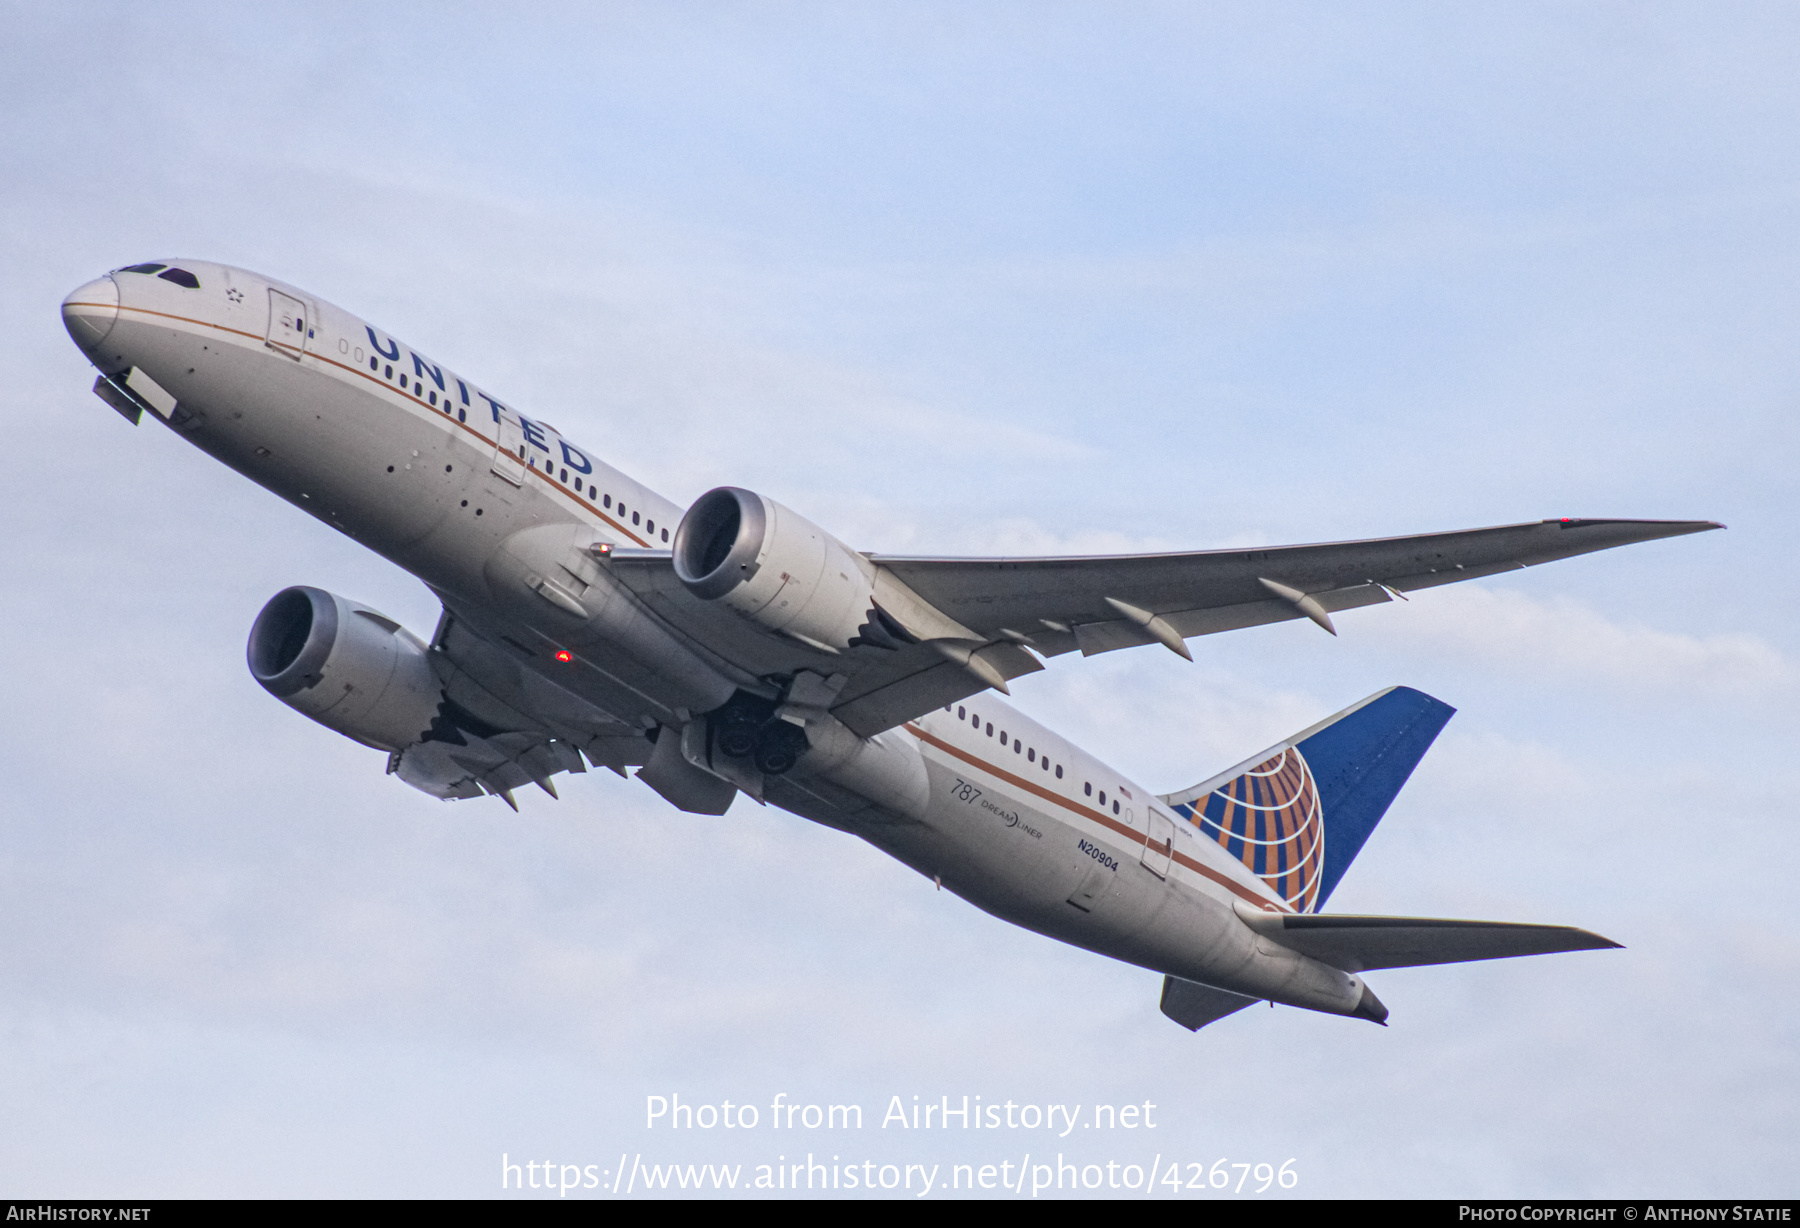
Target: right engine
[
  {"x": 780, "y": 571},
  {"x": 348, "y": 667}
]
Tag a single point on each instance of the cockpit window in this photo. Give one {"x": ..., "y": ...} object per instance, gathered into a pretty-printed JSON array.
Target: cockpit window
[
  {"x": 143, "y": 268},
  {"x": 181, "y": 277}
]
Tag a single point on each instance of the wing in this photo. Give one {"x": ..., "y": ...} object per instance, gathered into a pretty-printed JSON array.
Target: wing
[
  {"x": 1098, "y": 604},
  {"x": 1359, "y": 944},
  {"x": 963, "y": 625}
]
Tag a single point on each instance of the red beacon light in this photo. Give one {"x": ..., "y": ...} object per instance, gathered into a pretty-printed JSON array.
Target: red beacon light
[{"x": 564, "y": 655}]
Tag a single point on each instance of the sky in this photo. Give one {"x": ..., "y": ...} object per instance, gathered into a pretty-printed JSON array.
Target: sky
[{"x": 961, "y": 279}]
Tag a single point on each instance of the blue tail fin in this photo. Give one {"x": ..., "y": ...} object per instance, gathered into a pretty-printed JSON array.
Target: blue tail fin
[{"x": 1298, "y": 814}]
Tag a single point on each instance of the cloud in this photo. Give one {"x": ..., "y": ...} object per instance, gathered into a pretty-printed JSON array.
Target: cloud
[{"x": 1505, "y": 629}]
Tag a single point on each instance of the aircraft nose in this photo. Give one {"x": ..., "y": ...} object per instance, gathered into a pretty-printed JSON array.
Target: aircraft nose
[{"x": 90, "y": 312}]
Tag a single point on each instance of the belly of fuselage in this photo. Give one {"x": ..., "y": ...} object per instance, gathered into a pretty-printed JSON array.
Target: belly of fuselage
[{"x": 1013, "y": 857}]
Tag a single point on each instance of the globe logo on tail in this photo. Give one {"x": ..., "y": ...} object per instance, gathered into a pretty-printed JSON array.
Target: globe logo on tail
[{"x": 1269, "y": 818}]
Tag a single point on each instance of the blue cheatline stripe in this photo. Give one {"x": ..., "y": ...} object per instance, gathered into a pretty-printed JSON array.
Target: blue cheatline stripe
[{"x": 1360, "y": 763}]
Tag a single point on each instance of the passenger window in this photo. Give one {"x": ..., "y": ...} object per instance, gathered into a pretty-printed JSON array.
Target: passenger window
[
  {"x": 1031, "y": 755},
  {"x": 1018, "y": 747},
  {"x": 432, "y": 397},
  {"x": 565, "y": 475},
  {"x": 389, "y": 373},
  {"x": 1087, "y": 787},
  {"x": 606, "y": 501},
  {"x": 403, "y": 381},
  {"x": 650, "y": 525},
  {"x": 634, "y": 518},
  {"x": 665, "y": 535},
  {"x": 962, "y": 714},
  {"x": 374, "y": 365},
  {"x": 1059, "y": 771},
  {"x": 1115, "y": 806},
  {"x": 1103, "y": 797},
  {"x": 990, "y": 730},
  {"x": 181, "y": 277}
]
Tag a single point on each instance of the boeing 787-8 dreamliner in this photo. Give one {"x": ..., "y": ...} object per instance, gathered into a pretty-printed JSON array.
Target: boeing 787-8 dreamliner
[{"x": 735, "y": 647}]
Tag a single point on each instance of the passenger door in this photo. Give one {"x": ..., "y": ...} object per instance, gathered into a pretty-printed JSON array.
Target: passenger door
[
  {"x": 509, "y": 448},
  {"x": 1159, "y": 843},
  {"x": 289, "y": 322}
]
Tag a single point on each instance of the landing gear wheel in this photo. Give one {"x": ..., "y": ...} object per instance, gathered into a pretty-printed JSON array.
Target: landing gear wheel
[
  {"x": 737, "y": 740},
  {"x": 779, "y": 746},
  {"x": 775, "y": 761}
]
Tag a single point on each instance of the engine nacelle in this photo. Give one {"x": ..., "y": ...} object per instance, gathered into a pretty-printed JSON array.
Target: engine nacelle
[
  {"x": 346, "y": 666},
  {"x": 777, "y": 569}
]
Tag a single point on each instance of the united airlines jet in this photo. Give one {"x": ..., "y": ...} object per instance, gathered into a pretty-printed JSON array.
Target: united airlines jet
[{"x": 736, "y": 647}]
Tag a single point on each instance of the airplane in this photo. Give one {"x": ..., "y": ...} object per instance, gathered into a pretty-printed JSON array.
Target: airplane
[{"x": 733, "y": 646}]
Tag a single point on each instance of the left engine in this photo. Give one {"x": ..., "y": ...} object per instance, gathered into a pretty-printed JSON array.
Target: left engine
[{"x": 350, "y": 668}]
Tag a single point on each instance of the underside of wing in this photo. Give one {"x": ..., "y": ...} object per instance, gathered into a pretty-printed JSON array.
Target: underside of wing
[
  {"x": 502, "y": 725},
  {"x": 1360, "y": 944}
]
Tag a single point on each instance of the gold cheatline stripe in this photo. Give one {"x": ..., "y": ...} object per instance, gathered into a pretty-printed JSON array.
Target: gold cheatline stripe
[
  {"x": 1105, "y": 820},
  {"x": 380, "y": 383}
]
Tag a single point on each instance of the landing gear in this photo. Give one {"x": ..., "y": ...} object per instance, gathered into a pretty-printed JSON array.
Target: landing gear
[
  {"x": 746, "y": 727},
  {"x": 736, "y": 727},
  {"x": 778, "y": 747}
]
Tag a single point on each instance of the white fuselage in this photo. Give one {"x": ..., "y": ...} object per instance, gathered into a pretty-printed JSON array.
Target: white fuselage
[{"x": 422, "y": 466}]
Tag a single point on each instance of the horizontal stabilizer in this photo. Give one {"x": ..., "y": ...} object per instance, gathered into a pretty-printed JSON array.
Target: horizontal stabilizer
[
  {"x": 1193, "y": 1005},
  {"x": 1359, "y": 944}
]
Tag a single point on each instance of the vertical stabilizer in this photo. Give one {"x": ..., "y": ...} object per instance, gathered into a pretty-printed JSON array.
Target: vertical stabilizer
[{"x": 1298, "y": 813}]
